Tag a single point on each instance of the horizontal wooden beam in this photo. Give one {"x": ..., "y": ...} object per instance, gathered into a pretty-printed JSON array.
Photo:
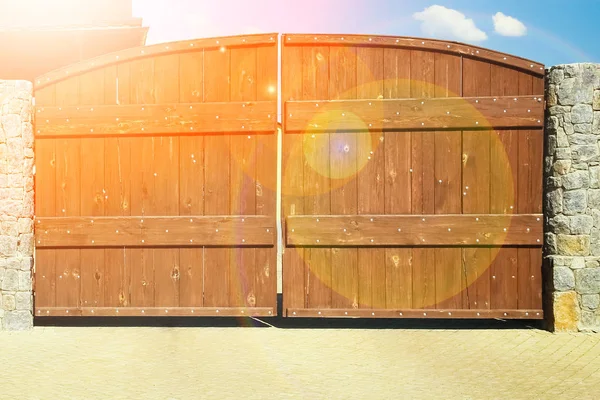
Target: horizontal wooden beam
[
  {"x": 415, "y": 230},
  {"x": 414, "y": 114},
  {"x": 154, "y": 312},
  {"x": 144, "y": 231},
  {"x": 154, "y": 51},
  {"x": 412, "y": 313},
  {"x": 156, "y": 119},
  {"x": 434, "y": 45}
]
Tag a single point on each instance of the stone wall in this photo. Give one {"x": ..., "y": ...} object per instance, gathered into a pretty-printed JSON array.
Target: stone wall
[
  {"x": 16, "y": 205},
  {"x": 572, "y": 170}
]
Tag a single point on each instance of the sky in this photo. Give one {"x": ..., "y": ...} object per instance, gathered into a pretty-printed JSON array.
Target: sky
[{"x": 550, "y": 31}]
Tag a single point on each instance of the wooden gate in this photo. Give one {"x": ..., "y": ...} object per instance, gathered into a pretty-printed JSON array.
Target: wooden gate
[
  {"x": 155, "y": 181},
  {"x": 412, "y": 179}
]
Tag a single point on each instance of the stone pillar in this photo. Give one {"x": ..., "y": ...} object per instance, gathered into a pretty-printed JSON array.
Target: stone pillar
[
  {"x": 572, "y": 174},
  {"x": 16, "y": 205}
]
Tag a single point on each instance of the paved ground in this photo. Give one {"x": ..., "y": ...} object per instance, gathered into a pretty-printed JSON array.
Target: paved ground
[{"x": 301, "y": 359}]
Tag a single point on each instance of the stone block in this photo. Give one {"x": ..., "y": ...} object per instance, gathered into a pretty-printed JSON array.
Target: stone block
[
  {"x": 8, "y": 246},
  {"x": 590, "y": 301},
  {"x": 593, "y": 199},
  {"x": 566, "y": 311},
  {"x": 589, "y": 321},
  {"x": 587, "y": 281},
  {"x": 585, "y": 153},
  {"x": 562, "y": 153},
  {"x": 594, "y": 177},
  {"x": 562, "y": 140},
  {"x": 577, "y": 263},
  {"x": 581, "y": 224},
  {"x": 581, "y": 138},
  {"x": 574, "y": 202},
  {"x": 11, "y": 124},
  {"x": 573, "y": 245},
  {"x": 581, "y": 130},
  {"x": 9, "y": 302},
  {"x": 576, "y": 179},
  {"x": 23, "y": 301},
  {"x": 11, "y": 280},
  {"x": 25, "y": 225},
  {"x": 13, "y": 263},
  {"x": 562, "y": 167},
  {"x": 25, "y": 246},
  {"x": 556, "y": 75},
  {"x": 26, "y": 263},
  {"x": 560, "y": 224},
  {"x": 25, "y": 280},
  {"x": 573, "y": 91},
  {"x": 596, "y": 100},
  {"x": 550, "y": 243},
  {"x": 17, "y": 320},
  {"x": 582, "y": 114},
  {"x": 563, "y": 279}
]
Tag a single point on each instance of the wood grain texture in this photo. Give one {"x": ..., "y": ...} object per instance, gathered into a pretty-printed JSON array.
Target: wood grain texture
[
  {"x": 68, "y": 181},
  {"x": 317, "y": 173},
  {"x": 411, "y": 114},
  {"x": 155, "y": 312},
  {"x": 429, "y": 45},
  {"x": 45, "y": 206},
  {"x": 292, "y": 182},
  {"x": 217, "y": 161},
  {"x": 415, "y": 230},
  {"x": 149, "y": 52},
  {"x": 157, "y": 119},
  {"x": 412, "y": 313},
  {"x": 141, "y": 231}
]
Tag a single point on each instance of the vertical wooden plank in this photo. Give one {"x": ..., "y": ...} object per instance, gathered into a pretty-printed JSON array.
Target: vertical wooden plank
[
  {"x": 191, "y": 77},
  {"x": 343, "y": 167},
  {"x": 117, "y": 192},
  {"x": 448, "y": 261},
  {"x": 242, "y": 172},
  {"x": 45, "y": 206},
  {"x": 396, "y": 75},
  {"x": 68, "y": 167},
  {"x": 135, "y": 87},
  {"x": 476, "y": 80},
  {"x": 292, "y": 181},
  {"x": 191, "y": 202},
  {"x": 92, "y": 88},
  {"x": 166, "y": 183},
  {"x": 315, "y": 85},
  {"x": 217, "y": 179},
  {"x": 503, "y": 193},
  {"x": 118, "y": 262},
  {"x": 448, "y": 195},
  {"x": 142, "y": 81},
  {"x": 191, "y": 180},
  {"x": 371, "y": 179},
  {"x": 266, "y": 178},
  {"x": 529, "y": 200},
  {"x": 422, "y": 78}
]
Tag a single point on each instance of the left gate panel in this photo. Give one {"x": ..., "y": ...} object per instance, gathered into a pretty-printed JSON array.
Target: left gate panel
[{"x": 155, "y": 181}]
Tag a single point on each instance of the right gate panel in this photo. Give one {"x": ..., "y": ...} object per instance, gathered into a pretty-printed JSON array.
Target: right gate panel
[{"x": 411, "y": 179}]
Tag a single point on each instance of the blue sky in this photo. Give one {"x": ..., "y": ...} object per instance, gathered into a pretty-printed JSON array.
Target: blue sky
[{"x": 550, "y": 31}]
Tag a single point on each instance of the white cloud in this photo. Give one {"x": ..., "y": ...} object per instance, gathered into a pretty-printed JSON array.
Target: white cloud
[
  {"x": 508, "y": 26},
  {"x": 447, "y": 23}
]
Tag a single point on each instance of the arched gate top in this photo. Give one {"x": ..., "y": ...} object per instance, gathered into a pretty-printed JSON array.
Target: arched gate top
[
  {"x": 434, "y": 45},
  {"x": 160, "y": 49}
]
